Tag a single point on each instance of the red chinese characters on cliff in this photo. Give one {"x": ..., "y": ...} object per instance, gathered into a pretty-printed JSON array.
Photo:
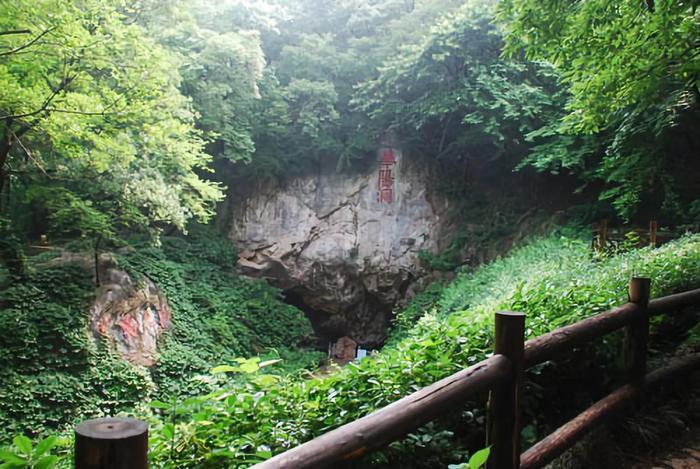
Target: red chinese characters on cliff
[{"x": 385, "y": 184}]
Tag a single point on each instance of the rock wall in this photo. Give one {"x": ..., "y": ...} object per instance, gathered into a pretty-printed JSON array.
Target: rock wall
[
  {"x": 344, "y": 247},
  {"x": 131, "y": 317}
]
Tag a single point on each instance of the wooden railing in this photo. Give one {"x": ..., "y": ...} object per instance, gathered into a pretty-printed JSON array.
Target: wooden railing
[
  {"x": 604, "y": 237},
  {"x": 502, "y": 374}
]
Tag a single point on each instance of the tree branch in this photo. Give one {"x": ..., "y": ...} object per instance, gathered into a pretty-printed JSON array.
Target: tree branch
[
  {"x": 62, "y": 86},
  {"x": 29, "y": 154},
  {"x": 82, "y": 113},
  {"x": 28, "y": 44},
  {"x": 15, "y": 31}
]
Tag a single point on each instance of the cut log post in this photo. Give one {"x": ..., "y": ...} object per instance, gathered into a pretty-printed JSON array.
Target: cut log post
[
  {"x": 111, "y": 443},
  {"x": 637, "y": 333},
  {"x": 503, "y": 429},
  {"x": 603, "y": 235}
]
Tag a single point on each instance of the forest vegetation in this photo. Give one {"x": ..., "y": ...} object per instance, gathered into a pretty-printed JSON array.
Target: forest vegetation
[{"x": 125, "y": 124}]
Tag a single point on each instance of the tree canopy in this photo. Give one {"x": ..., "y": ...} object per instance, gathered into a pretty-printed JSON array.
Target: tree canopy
[
  {"x": 631, "y": 69},
  {"x": 95, "y": 128},
  {"x": 147, "y": 98}
]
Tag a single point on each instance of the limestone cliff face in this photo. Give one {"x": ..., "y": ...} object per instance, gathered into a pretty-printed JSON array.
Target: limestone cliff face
[{"x": 343, "y": 247}]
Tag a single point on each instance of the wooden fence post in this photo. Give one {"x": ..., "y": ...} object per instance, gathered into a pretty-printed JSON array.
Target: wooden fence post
[
  {"x": 112, "y": 443},
  {"x": 504, "y": 408},
  {"x": 603, "y": 235},
  {"x": 637, "y": 333},
  {"x": 653, "y": 228}
]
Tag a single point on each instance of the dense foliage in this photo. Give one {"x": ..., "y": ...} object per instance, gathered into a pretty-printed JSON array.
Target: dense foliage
[
  {"x": 251, "y": 421},
  {"x": 89, "y": 96},
  {"x": 278, "y": 87},
  {"x": 556, "y": 281},
  {"x": 121, "y": 122},
  {"x": 631, "y": 68},
  {"x": 53, "y": 371}
]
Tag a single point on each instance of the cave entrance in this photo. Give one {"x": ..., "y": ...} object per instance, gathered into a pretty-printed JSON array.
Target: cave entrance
[
  {"x": 366, "y": 323},
  {"x": 322, "y": 334}
]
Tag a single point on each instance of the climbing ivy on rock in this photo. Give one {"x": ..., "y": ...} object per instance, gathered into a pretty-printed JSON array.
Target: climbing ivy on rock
[{"x": 53, "y": 372}]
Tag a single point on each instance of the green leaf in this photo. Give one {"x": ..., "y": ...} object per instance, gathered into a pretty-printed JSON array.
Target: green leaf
[
  {"x": 168, "y": 431},
  {"x": 44, "y": 446},
  {"x": 23, "y": 444},
  {"x": 225, "y": 369},
  {"x": 266, "y": 380},
  {"x": 479, "y": 458},
  {"x": 249, "y": 367},
  {"x": 268, "y": 363},
  {"x": 159, "y": 405},
  {"x": 46, "y": 462},
  {"x": 11, "y": 458}
]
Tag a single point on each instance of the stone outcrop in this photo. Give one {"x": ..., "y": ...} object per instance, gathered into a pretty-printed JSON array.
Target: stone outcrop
[
  {"x": 344, "y": 247},
  {"x": 131, "y": 317},
  {"x": 344, "y": 351}
]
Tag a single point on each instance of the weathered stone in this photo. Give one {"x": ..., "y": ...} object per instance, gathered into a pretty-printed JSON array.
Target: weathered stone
[
  {"x": 338, "y": 252},
  {"x": 345, "y": 350},
  {"x": 131, "y": 317},
  {"x": 683, "y": 463}
]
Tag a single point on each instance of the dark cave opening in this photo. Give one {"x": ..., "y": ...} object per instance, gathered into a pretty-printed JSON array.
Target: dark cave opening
[
  {"x": 367, "y": 323},
  {"x": 322, "y": 334}
]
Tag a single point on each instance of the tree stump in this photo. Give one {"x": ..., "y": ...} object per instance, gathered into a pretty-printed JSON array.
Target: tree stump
[{"x": 111, "y": 443}]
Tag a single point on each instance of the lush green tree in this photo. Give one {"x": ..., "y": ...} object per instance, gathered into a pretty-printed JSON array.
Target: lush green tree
[
  {"x": 632, "y": 70},
  {"x": 222, "y": 79},
  {"x": 93, "y": 125},
  {"x": 453, "y": 97}
]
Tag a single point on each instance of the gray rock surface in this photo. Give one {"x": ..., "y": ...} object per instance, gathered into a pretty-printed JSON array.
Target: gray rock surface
[{"x": 339, "y": 252}]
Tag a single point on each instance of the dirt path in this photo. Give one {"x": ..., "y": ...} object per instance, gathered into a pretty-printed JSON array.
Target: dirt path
[{"x": 683, "y": 453}]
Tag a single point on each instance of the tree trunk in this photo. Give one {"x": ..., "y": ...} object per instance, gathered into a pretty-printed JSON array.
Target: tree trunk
[
  {"x": 5, "y": 146},
  {"x": 98, "y": 241}
]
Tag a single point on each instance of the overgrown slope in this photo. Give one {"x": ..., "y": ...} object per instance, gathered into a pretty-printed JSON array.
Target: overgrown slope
[
  {"x": 556, "y": 281},
  {"x": 52, "y": 372}
]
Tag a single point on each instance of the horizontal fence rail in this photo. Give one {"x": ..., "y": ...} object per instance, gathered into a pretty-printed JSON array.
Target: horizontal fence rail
[
  {"x": 675, "y": 302},
  {"x": 501, "y": 375},
  {"x": 395, "y": 420},
  {"x": 567, "y": 435},
  {"x": 548, "y": 346}
]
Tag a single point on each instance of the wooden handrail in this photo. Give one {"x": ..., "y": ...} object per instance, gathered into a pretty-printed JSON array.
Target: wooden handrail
[
  {"x": 669, "y": 303},
  {"x": 395, "y": 420},
  {"x": 565, "y": 436},
  {"x": 568, "y": 434},
  {"x": 548, "y": 346}
]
